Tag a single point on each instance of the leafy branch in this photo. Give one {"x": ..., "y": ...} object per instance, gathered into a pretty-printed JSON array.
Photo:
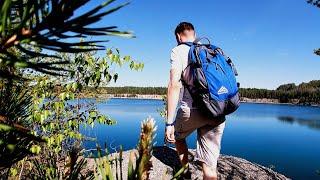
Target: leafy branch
[{"x": 39, "y": 28}]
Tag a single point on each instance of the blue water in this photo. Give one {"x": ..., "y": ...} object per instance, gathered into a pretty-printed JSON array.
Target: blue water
[{"x": 281, "y": 136}]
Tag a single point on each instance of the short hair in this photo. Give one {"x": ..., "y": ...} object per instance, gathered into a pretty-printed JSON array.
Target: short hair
[{"x": 182, "y": 27}]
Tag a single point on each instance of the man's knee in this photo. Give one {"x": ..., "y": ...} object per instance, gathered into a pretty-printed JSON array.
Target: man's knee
[
  {"x": 181, "y": 145},
  {"x": 180, "y": 141}
]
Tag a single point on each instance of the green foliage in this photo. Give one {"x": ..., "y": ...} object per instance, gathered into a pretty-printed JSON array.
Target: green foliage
[
  {"x": 286, "y": 87},
  {"x": 15, "y": 144},
  {"x": 58, "y": 109},
  {"x": 27, "y": 27},
  {"x": 104, "y": 170},
  {"x": 139, "y": 163},
  {"x": 163, "y": 111},
  {"x": 317, "y": 52},
  {"x": 131, "y": 169},
  {"x": 181, "y": 171},
  {"x": 16, "y": 140},
  {"x": 36, "y": 39},
  {"x": 132, "y": 90},
  {"x": 15, "y": 102},
  {"x": 317, "y": 4},
  {"x": 48, "y": 167},
  {"x": 314, "y": 2},
  {"x": 304, "y": 93}
]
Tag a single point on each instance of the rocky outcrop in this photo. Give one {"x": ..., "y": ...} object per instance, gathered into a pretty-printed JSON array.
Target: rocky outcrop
[
  {"x": 235, "y": 168},
  {"x": 165, "y": 163}
]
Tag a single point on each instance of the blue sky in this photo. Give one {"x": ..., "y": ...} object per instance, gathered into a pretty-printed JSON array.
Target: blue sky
[{"x": 270, "y": 41}]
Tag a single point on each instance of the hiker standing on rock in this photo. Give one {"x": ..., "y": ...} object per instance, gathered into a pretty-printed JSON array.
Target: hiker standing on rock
[{"x": 196, "y": 110}]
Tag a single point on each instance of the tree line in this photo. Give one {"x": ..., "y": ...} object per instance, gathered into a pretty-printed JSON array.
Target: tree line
[
  {"x": 304, "y": 93},
  {"x": 132, "y": 90}
]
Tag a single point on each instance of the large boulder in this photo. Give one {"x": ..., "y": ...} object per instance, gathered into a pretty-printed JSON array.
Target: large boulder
[
  {"x": 165, "y": 163},
  {"x": 229, "y": 167}
]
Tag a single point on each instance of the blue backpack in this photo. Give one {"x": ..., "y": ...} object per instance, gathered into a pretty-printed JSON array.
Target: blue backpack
[{"x": 210, "y": 80}]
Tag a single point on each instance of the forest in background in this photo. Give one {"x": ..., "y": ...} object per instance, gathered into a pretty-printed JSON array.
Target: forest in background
[{"x": 304, "y": 93}]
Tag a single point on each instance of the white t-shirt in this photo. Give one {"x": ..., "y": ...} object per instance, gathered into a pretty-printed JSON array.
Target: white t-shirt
[{"x": 179, "y": 61}]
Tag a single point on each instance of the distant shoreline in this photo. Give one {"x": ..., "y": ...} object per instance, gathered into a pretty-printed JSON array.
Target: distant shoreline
[{"x": 160, "y": 97}]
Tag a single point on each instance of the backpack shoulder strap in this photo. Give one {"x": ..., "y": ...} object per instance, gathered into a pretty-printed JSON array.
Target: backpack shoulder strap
[
  {"x": 196, "y": 41},
  {"x": 187, "y": 43}
]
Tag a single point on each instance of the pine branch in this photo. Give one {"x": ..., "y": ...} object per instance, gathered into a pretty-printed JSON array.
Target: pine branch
[
  {"x": 317, "y": 4},
  {"x": 52, "y": 26},
  {"x": 314, "y": 2}
]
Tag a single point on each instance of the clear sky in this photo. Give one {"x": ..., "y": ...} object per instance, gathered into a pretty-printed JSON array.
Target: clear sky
[{"x": 270, "y": 41}]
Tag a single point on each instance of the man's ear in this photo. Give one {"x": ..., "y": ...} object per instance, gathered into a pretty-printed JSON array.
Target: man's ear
[{"x": 179, "y": 38}]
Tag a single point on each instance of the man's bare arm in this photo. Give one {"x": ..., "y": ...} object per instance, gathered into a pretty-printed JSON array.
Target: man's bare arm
[{"x": 173, "y": 94}]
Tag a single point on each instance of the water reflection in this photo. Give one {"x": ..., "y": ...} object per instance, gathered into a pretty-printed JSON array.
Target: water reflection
[
  {"x": 258, "y": 132},
  {"x": 310, "y": 123}
]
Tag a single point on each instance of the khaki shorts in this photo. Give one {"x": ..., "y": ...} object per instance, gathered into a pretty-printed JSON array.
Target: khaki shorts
[{"x": 209, "y": 134}]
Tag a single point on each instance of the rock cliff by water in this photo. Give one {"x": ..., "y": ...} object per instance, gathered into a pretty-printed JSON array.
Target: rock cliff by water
[{"x": 165, "y": 162}]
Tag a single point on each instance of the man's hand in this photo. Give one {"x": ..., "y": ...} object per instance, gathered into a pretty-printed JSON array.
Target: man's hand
[{"x": 170, "y": 134}]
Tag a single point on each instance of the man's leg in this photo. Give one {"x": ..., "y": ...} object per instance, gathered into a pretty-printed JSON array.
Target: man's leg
[
  {"x": 182, "y": 150},
  {"x": 208, "y": 149},
  {"x": 183, "y": 127},
  {"x": 209, "y": 172}
]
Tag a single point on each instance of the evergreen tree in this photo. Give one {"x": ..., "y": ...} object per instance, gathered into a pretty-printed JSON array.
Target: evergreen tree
[{"x": 317, "y": 4}]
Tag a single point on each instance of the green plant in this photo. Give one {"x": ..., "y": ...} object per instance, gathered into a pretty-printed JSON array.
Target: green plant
[
  {"x": 163, "y": 111},
  {"x": 139, "y": 163},
  {"x": 317, "y": 4},
  {"x": 180, "y": 173},
  {"x": 147, "y": 135},
  {"x": 30, "y": 33},
  {"x": 51, "y": 167},
  {"x": 36, "y": 39},
  {"x": 28, "y": 27},
  {"x": 104, "y": 169},
  {"x": 59, "y": 109},
  {"x": 314, "y": 2},
  {"x": 16, "y": 140}
]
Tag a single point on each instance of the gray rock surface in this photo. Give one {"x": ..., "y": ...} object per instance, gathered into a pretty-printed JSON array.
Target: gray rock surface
[{"x": 165, "y": 163}]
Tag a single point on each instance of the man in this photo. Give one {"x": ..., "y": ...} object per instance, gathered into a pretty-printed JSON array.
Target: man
[{"x": 188, "y": 118}]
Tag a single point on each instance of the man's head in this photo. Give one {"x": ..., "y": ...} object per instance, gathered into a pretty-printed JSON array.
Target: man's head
[{"x": 185, "y": 32}]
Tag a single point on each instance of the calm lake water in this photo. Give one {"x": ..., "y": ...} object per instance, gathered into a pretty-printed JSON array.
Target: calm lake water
[{"x": 281, "y": 136}]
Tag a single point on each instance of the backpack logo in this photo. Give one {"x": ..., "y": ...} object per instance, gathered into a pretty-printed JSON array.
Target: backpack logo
[{"x": 223, "y": 90}]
